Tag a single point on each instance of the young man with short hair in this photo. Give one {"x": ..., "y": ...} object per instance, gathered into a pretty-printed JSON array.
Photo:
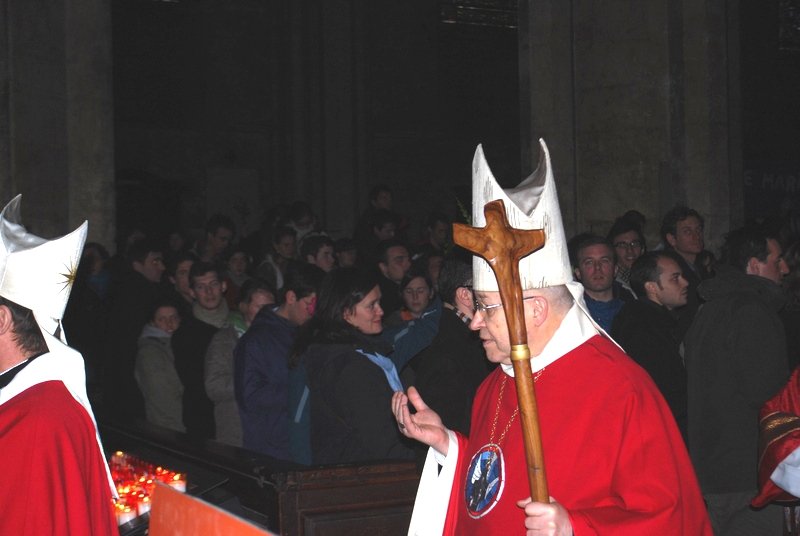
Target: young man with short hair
[
  {"x": 261, "y": 365},
  {"x": 220, "y": 231},
  {"x": 736, "y": 360},
  {"x": 682, "y": 231},
  {"x": 190, "y": 343},
  {"x": 595, "y": 266},
  {"x": 394, "y": 262},
  {"x": 629, "y": 244},
  {"x": 178, "y": 275},
  {"x": 647, "y": 328},
  {"x": 317, "y": 249},
  {"x": 131, "y": 302}
]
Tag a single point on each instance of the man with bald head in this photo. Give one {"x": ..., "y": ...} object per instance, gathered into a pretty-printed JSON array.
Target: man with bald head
[{"x": 615, "y": 464}]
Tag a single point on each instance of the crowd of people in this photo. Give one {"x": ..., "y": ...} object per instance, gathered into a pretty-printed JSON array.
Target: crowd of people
[
  {"x": 249, "y": 340},
  {"x": 291, "y": 343}
]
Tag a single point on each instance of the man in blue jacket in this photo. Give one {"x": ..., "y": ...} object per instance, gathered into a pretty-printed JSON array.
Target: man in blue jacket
[{"x": 261, "y": 364}]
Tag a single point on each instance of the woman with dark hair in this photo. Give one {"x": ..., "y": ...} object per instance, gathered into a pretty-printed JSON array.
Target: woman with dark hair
[
  {"x": 412, "y": 329},
  {"x": 350, "y": 379},
  {"x": 154, "y": 368},
  {"x": 416, "y": 290}
]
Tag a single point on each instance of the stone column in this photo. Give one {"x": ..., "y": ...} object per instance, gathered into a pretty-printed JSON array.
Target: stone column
[
  {"x": 6, "y": 190},
  {"x": 637, "y": 102},
  {"x": 547, "y": 89},
  {"x": 90, "y": 118},
  {"x": 56, "y": 140}
]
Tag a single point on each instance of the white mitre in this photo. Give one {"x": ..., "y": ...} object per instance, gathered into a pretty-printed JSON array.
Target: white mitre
[
  {"x": 533, "y": 204},
  {"x": 35, "y": 272}
]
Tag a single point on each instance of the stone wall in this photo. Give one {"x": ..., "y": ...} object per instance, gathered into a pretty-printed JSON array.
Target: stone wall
[
  {"x": 55, "y": 106},
  {"x": 640, "y": 103},
  {"x": 634, "y": 99}
]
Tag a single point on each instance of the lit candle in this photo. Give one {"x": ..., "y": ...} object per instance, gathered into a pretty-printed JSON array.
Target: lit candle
[
  {"x": 178, "y": 482},
  {"x": 125, "y": 513},
  {"x": 143, "y": 505}
]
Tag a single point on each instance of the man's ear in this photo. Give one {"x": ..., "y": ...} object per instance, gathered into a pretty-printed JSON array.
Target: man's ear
[
  {"x": 538, "y": 309},
  {"x": 577, "y": 274},
  {"x": 224, "y": 286},
  {"x": 753, "y": 266},
  {"x": 384, "y": 268},
  {"x": 6, "y": 320},
  {"x": 290, "y": 297},
  {"x": 671, "y": 240},
  {"x": 464, "y": 296},
  {"x": 650, "y": 287}
]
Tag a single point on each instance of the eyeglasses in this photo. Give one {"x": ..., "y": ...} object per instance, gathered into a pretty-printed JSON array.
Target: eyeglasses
[
  {"x": 482, "y": 308},
  {"x": 633, "y": 244}
]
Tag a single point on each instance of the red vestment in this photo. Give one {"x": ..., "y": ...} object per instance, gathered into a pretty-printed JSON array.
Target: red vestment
[
  {"x": 613, "y": 455},
  {"x": 779, "y": 436},
  {"x": 54, "y": 478}
]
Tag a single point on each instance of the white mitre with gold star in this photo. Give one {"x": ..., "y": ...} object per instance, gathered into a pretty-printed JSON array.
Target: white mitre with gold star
[{"x": 35, "y": 272}]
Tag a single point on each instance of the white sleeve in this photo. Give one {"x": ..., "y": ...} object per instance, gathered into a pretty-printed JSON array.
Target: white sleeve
[
  {"x": 787, "y": 474},
  {"x": 433, "y": 495}
]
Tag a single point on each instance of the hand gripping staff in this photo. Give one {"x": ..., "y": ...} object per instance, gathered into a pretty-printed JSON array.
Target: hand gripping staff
[{"x": 502, "y": 247}]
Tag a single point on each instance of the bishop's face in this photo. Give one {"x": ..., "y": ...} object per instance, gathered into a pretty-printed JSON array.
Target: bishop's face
[{"x": 490, "y": 323}]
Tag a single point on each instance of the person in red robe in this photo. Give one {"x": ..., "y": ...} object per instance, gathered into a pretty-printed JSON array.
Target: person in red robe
[
  {"x": 779, "y": 453},
  {"x": 55, "y": 479},
  {"x": 614, "y": 458}
]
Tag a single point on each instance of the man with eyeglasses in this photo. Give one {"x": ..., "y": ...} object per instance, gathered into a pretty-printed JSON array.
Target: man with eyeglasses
[
  {"x": 614, "y": 459},
  {"x": 190, "y": 343},
  {"x": 629, "y": 244}
]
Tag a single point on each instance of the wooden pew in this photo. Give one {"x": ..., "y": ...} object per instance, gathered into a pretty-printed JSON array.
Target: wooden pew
[
  {"x": 347, "y": 500},
  {"x": 286, "y": 498}
]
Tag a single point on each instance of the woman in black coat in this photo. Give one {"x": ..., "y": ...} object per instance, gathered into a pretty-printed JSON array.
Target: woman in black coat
[{"x": 350, "y": 377}]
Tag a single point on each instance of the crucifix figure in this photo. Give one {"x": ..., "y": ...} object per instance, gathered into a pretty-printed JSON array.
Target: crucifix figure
[{"x": 502, "y": 247}]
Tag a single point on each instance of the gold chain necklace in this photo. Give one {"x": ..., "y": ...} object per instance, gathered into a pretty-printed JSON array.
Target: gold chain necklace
[
  {"x": 513, "y": 415},
  {"x": 486, "y": 474}
]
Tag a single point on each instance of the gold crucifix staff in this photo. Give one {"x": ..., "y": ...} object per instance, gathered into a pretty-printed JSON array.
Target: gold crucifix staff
[{"x": 502, "y": 247}]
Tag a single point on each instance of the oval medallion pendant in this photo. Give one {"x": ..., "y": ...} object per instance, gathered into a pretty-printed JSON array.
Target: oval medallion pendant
[{"x": 484, "y": 481}]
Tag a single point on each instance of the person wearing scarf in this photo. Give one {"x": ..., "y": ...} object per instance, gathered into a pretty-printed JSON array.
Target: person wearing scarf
[{"x": 350, "y": 375}]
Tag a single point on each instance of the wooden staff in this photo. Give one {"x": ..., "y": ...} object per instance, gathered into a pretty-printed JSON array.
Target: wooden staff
[{"x": 502, "y": 247}]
